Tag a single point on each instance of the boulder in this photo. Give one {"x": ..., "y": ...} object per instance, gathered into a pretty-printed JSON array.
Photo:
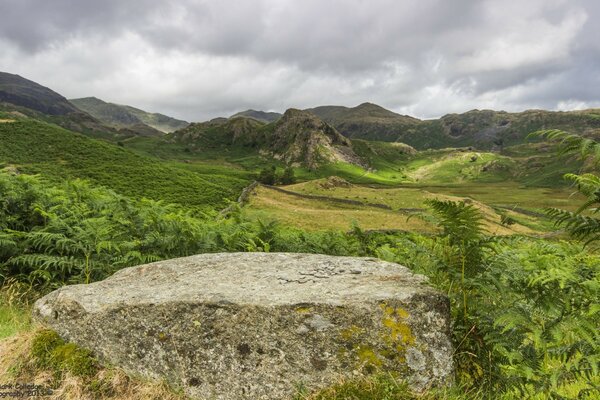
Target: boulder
[{"x": 259, "y": 325}]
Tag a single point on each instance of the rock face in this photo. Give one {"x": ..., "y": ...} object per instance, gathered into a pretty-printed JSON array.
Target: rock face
[{"x": 258, "y": 325}]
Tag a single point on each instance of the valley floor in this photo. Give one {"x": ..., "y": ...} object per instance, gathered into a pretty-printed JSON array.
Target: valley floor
[{"x": 333, "y": 203}]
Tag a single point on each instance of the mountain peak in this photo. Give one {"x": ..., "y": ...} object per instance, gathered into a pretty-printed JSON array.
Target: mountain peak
[
  {"x": 262, "y": 116},
  {"x": 21, "y": 92}
]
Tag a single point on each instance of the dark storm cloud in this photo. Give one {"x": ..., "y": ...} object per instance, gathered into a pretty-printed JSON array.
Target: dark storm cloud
[{"x": 199, "y": 58}]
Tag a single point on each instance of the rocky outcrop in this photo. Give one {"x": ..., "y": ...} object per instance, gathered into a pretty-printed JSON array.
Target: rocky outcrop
[
  {"x": 298, "y": 138},
  {"x": 257, "y": 325},
  {"x": 302, "y": 138}
]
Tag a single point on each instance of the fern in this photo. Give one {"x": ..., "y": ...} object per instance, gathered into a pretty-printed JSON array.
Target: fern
[
  {"x": 578, "y": 224},
  {"x": 569, "y": 143}
]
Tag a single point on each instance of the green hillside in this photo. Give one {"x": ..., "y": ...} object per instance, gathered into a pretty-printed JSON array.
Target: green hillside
[
  {"x": 366, "y": 121},
  {"x": 32, "y": 146}
]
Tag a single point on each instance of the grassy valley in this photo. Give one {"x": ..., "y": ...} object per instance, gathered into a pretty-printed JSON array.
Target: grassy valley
[{"x": 463, "y": 199}]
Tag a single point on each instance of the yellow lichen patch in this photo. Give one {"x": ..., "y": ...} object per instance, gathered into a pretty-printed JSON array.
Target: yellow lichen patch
[
  {"x": 351, "y": 332},
  {"x": 6, "y": 121},
  {"x": 399, "y": 334},
  {"x": 368, "y": 357},
  {"x": 303, "y": 310}
]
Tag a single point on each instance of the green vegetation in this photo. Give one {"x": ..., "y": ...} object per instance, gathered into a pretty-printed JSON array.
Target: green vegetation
[
  {"x": 539, "y": 336},
  {"x": 485, "y": 129},
  {"x": 525, "y": 315},
  {"x": 60, "y": 154},
  {"x": 578, "y": 223},
  {"x": 378, "y": 387},
  {"x": 14, "y": 308}
]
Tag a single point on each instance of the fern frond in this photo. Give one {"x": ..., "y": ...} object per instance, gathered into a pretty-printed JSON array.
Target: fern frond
[
  {"x": 570, "y": 143},
  {"x": 460, "y": 221}
]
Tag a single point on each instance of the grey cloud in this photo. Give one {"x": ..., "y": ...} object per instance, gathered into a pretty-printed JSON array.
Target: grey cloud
[{"x": 275, "y": 54}]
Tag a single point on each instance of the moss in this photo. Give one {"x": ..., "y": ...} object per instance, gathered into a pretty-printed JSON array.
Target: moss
[
  {"x": 43, "y": 345},
  {"x": 79, "y": 362},
  {"x": 49, "y": 350},
  {"x": 376, "y": 387}
]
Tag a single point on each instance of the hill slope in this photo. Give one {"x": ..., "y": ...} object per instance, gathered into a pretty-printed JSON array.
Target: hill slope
[
  {"x": 303, "y": 139},
  {"x": 122, "y": 116},
  {"x": 60, "y": 154}
]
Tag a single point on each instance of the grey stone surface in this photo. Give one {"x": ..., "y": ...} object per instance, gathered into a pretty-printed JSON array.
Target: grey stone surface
[{"x": 257, "y": 325}]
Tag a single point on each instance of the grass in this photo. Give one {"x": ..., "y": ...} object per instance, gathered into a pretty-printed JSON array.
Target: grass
[
  {"x": 390, "y": 164},
  {"x": 378, "y": 387},
  {"x": 321, "y": 215},
  {"x": 14, "y": 310},
  {"x": 13, "y": 319},
  {"x": 407, "y": 210}
]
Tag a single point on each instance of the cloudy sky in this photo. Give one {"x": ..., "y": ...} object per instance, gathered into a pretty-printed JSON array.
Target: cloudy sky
[{"x": 197, "y": 59}]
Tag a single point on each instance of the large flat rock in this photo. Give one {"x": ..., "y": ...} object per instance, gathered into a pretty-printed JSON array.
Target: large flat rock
[{"x": 258, "y": 325}]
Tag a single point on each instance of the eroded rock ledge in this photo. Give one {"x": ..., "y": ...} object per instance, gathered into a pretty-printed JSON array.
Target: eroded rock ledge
[{"x": 257, "y": 325}]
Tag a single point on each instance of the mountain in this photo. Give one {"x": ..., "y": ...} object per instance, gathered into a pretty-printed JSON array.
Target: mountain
[
  {"x": 23, "y": 96},
  {"x": 366, "y": 121},
  {"x": 298, "y": 138},
  {"x": 486, "y": 128},
  {"x": 261, "y": 116},
  {"x": 22, "y": 92},
  {"x": 483, "y": 129},
  {"x": 122, "y": 116},
  {"x": 222, "y": 133}
]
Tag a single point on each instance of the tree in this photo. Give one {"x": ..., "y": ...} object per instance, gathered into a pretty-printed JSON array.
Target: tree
[
  {"x": 267, "y": 175},
  {"x": 500, "y": 143},
  {"x": 288, "y": 176}
]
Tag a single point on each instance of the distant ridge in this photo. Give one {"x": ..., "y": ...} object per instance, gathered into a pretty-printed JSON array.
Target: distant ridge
[
  {"x": 365, "y": 121},
  {"x": 123, "y": 116},
  {"x": 262, "y": 116},
  {"x": 480, "y": 128},
  {"x": 32, "y": 99}
]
